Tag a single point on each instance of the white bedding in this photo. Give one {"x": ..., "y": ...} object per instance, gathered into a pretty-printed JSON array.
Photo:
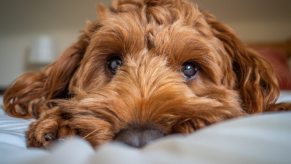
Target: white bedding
[{"x": 256, "y": 139}]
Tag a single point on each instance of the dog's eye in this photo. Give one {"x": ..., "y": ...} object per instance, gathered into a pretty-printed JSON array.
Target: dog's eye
[
  {"x": 190, "y": 69},
  {"x": 113, "y": 64}
]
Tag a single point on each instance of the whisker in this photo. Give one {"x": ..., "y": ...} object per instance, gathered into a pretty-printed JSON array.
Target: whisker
[{"x": 90, "y": 134}]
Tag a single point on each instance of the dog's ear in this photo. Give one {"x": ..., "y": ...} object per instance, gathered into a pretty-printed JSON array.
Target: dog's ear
[
  {"x": 31, "y": 89},
  {"x": 255, "y": 79}
]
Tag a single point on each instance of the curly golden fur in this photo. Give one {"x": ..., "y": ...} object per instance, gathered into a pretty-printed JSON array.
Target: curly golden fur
[{"x": 78, "y": 95}]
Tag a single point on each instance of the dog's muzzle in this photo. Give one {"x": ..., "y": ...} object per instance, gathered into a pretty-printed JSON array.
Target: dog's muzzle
[{"x": 138, "y": 137}]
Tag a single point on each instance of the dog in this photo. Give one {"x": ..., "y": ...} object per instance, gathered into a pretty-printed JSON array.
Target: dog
[{"x": 143, "y": 70}]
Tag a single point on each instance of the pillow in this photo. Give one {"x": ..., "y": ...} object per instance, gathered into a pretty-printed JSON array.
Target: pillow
[{"x": 257, "y": 139}]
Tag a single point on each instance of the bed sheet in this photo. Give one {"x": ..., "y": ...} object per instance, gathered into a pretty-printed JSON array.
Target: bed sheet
[
  {"x": 285, "y": 96},
  {"x": 255, "y": 139}
]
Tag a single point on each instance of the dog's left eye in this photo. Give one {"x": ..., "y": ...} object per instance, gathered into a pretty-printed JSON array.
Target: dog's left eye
[
  {"x": 190, "y": 69},
  {"x": 113, "y": 64}
]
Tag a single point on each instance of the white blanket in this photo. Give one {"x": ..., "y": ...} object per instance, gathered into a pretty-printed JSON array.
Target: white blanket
[{"x": 256, "y": 139}]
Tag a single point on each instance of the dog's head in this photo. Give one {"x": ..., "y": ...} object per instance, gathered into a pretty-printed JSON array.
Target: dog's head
[{"x": 160, "y": 67}]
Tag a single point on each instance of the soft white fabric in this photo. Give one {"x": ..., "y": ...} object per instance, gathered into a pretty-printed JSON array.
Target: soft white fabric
[
  {"x": 255, "y": 139},
  {"x": 285, "y": 96}
]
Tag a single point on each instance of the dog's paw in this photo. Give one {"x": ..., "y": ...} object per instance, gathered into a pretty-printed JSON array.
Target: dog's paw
[
  {"x": 55, "y": 125},
  {"x": 279, "y": 107},
  {"x": 45, "y": 130}
]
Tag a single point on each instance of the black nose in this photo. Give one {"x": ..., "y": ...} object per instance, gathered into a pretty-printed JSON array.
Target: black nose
[{"x": 138, "y": 137}]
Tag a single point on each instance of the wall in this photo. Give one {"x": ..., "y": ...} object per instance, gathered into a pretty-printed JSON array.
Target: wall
[
  {"x": 253, "y": 20},
  {"x": 23, "y": 21}
]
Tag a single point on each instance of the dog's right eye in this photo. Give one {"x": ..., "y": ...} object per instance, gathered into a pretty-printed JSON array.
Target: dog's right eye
[
  {"x": 190, "y": 69},
  {"x": 113, "y": 64}
]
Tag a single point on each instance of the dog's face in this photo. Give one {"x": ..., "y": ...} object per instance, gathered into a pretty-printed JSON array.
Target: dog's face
[{"x": 156, "y": 68}]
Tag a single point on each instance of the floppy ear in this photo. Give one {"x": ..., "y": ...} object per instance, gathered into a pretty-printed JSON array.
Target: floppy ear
[
  {"x": 24, "y": 97},
  {"x": 255, "y": 79}
]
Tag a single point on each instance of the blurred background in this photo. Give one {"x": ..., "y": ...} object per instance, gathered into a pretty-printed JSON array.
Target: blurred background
[{"x": 34, "y": 32}]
